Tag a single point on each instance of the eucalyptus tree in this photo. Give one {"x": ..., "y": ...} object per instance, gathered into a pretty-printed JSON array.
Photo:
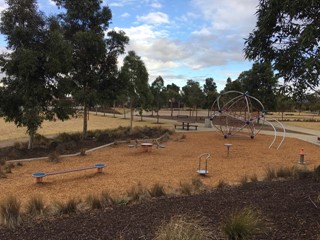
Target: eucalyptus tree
[
  {"x": 95, "y": 53},
  {"x": 159, "y": 96},
  {"x": 32, "y": 89},
  {"x": 193, "y": 95},
  {"x": 173, "y": 94},
  {"x": 260, "y": 82},
  {"x": 210, "y": 92},
  {"x": 134, "y": 73},
  {"x": 287, "y": 34}
]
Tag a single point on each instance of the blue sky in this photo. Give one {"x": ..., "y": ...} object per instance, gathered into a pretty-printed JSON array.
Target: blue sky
[{"x": 182, "y": 39}]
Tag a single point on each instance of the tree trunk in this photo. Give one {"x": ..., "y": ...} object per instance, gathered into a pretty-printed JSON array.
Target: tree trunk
[
  {"x": 85, "y": 121},
  {"x": 124, "y": 112},
  {"x": 196, "y": 113},
  {"x": 131, "y": 116},
  {"x": 171, "y": 106},
  {"x": 31, "y": 139},
  {"x": 158, "y": 116}
]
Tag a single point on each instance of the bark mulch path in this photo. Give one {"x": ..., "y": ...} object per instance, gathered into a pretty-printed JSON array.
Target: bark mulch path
[
  {"x": 291, "y": 207},
  {"x": 287, "y": 206}
]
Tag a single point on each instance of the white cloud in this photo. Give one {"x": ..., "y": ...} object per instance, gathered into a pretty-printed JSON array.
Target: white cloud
[
  {"x": 230, "y": 14},
  {"x": 156, "y": 5},
  {"x": 3, "y": 5},
  {"x": 155, "y": 18},
  {"x": 125, "y": 15}
]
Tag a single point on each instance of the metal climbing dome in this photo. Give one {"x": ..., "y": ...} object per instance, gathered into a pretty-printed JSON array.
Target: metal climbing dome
[{"x": 235, "y": 113}]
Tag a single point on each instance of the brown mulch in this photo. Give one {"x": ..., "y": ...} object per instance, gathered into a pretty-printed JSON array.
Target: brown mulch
[
  {"x": 287, "y": 207},
  {"x": 291, "y": 207}
]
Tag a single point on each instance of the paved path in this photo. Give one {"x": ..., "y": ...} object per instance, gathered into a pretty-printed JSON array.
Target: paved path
[{"x": 305, "y": 134}]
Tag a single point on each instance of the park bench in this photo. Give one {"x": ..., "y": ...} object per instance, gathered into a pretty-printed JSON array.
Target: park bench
[
  {"x": 40, "y": 175},
  {"x": 182, "y": 116}
]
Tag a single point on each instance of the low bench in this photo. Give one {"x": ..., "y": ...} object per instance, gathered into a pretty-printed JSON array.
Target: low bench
[{"x": 40, "y": 175}]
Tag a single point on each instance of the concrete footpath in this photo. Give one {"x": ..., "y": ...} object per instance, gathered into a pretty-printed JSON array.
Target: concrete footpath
[{"x": 304, "y": 134}]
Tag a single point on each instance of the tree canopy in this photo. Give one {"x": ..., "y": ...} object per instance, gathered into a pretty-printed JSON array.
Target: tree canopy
[
  {"x": 287, "y": 34},
  {"x": 32, "y": 90},
  {"x": 135, "y": 76},
  {"x": 94, "y": 54}
]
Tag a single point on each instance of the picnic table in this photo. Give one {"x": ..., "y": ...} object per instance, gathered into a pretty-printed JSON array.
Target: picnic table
[{"x": 186, "y": 125}]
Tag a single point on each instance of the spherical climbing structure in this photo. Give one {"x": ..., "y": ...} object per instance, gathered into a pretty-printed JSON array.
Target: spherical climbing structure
[{"x": 237, "y": 114}]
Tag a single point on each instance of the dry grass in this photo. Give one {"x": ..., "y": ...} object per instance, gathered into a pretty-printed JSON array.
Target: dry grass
[
  {"x": 168, "y": 167},
  {"x": 8, "y": 131}
]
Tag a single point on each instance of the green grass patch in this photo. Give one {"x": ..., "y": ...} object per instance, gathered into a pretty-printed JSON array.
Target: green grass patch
[{"x": 243, "y": 224}]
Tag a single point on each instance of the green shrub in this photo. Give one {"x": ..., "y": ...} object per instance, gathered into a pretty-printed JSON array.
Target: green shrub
[
  {"x": 183, "y": 228},
  {"x": 157, "y": 190},
  {"x": 243, "y": 224},
  {"x": 35, "y": 206},
  {"x": 10, "y": 212},
  {"x": 69, "y": 137}
]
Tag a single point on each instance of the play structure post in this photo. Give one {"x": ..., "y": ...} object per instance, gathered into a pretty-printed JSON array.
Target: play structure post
[{"x": 301, "y": 161}]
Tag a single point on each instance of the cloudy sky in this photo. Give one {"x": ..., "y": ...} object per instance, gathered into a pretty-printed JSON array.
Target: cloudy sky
[{"x": 182, "y": 39}]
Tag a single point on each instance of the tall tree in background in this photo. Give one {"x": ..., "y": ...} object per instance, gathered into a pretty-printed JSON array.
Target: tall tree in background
[
  {"x": 193, "y": 95},
  {"x": 32, "y": 90},
  {"x": 134, "y": 73},
  {"x": 232, "y": 85},
  {"x": 158, "y": 92},
  {"x": 173, "y": 94},
  {"x": 288, "y": 35},
  {"x": 94, "y": 54},
  {"x": 210, "y": 92},
  {"x": 261, "y": 83}
]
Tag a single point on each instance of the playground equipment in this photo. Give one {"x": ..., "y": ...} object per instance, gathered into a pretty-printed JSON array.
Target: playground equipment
[
  {"x": 203, "y": 160},
  {"x": 228, "y": 145},
  {"x": 146, "y": 144},
  {"x": 302, "y": 154},
  {"x": 238, "y": 114},
  {"x": 40, "y": 175}
]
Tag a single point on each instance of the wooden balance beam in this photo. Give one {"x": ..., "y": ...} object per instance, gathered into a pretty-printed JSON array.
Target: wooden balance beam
[{"x": 40, "y": 175}]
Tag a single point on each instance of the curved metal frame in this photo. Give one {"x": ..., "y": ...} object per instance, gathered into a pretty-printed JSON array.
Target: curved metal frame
[
  {"x": 203, "y": 157},
  {"x": 245, "y": 118}
]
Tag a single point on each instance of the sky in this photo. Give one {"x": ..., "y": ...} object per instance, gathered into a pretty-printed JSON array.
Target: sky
[{"x": 181, "y": 40}]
